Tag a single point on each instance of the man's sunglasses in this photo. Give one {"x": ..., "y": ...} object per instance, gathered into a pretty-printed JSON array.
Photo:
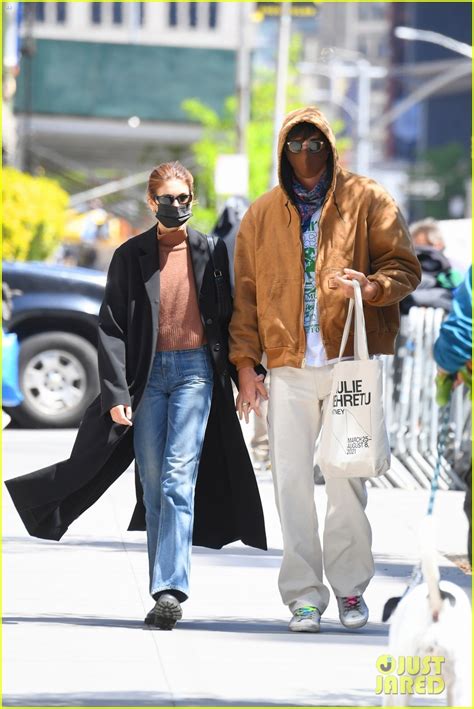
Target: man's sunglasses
[
  {"x": 168, "y": 199},
  {"x": 313, "y": 145}
]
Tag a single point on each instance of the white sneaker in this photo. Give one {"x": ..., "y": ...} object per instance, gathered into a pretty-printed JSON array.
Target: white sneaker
[
  {"x": 305, "y": 620},
  {"x": 353, "y": 611}
]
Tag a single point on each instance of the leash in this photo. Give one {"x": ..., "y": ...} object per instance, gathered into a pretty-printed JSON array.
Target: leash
[
  {"x": 441, "y": 447},
  {"x": 417, "y": 575}
]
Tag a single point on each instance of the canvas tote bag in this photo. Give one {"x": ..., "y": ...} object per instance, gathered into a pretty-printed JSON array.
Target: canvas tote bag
[{"x": 354, "y": 441}]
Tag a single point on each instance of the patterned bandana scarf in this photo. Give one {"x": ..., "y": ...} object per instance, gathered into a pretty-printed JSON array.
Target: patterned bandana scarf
[{"x": 308, "y": 202}]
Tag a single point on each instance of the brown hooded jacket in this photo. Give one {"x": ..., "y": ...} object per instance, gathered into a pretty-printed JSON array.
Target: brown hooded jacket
[{"x": 360, "y": 227}]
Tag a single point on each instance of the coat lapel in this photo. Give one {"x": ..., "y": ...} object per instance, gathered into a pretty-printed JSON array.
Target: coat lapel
[
  {"x": 150, "y": 268},
  {"x": 199, "y": 256},
  {"x": 150, "y": 263}
]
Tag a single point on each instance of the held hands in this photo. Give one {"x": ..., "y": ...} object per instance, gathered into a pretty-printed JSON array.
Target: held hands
[
  {"x": 251, "y": 390},
  {"x": 122, "y": 415},
  {"x": 368, "y": 289}
]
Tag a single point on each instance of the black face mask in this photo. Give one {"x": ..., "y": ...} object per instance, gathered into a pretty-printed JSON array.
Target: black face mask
[{"x": 173, "y": 217}]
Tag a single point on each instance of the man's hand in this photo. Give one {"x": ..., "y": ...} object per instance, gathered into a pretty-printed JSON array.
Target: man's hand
[
  {"x": 369, "y": 290},
  {"x": 122, "y": 415},
  {"x": 251, "y": 390}
]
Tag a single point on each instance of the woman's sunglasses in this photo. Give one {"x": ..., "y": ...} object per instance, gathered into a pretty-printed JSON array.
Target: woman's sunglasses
[
  {"x": 168, "y": 199},
  {"x": 313, "y": 145}
]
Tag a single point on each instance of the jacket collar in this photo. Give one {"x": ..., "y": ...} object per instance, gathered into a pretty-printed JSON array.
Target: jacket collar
[{"x": 150, "y": 266}]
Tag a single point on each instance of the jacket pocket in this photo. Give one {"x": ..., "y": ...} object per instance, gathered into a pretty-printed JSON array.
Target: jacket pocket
[
  {"x": 373, "y": 319},
  {"x": 279, "y": 317}
]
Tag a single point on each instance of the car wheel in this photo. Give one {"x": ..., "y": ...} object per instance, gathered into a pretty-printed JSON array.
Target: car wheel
[{"x": 58, "y": 379}]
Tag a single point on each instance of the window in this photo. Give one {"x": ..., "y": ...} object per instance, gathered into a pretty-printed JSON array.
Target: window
[
  {"x": 61, "y": 12},
  {"x": 213, "y": 6},
  {"x": 191, "y": 14},
  {"x": 193, "y": 10},
  {"x": 372, "y": 10},
  {"x": 96, "y": 12},
  {"x": 117, "y": 15},
  {"x": 172, "y": 14},
  {"x": 363, "y": 46},
  {"x": 141, "y": 14},
  {"x": 39, "y": 11}
]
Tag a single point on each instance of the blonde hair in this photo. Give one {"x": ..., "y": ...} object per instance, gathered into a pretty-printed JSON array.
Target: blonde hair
[
  {"x": 430, "y": 228},
  {"x": 173, "y": 170}
]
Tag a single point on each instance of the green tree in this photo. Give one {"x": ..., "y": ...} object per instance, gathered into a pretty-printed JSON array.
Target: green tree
[
  {"x": 34, "y": 215},
  {"x": 219, "y": 136},
  {"x": 450, "y": 166}
]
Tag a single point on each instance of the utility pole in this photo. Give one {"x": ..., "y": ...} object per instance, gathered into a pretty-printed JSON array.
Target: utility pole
[
  {"x": 363, "y": 117},
  {"x": 284, "y": 37},
  {"x": 28, "y": 49},
  {"x": 243, "y": 78}
]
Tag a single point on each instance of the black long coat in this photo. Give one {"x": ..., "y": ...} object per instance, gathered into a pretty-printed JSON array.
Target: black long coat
[{"x": 227, "y": 502}]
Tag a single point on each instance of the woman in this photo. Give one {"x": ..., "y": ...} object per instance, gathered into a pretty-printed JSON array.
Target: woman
[{"x": 166, "y": 400}]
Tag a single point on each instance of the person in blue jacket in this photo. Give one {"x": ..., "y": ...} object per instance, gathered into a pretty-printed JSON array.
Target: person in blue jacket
[
  {"x": 453, "y": 356},
  {"x": 453, "y": 348}
]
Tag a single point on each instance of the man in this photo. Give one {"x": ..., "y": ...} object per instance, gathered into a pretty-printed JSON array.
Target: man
[
  {"x": 438, "y": 279},
  {"x": 453, "y": 354},
  {"x": 299, "y": 247}
]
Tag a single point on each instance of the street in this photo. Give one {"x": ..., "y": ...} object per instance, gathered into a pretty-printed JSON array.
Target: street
[{"x": 73, "y": 611}]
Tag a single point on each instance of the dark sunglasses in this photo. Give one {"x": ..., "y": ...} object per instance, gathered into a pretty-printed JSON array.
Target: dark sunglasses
[
  {"x": 168, "y": 199},
  {"x": 313, "y": 145}
]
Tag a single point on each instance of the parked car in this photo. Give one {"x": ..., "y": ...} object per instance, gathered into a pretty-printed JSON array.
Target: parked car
[{"x": 54, "y": 315}]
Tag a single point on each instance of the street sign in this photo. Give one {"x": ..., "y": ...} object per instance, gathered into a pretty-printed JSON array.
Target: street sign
[
  {"x": 298, "y": 9},
  {"x": 231, "y": 176},
  {"x": 424, "y": 189}
]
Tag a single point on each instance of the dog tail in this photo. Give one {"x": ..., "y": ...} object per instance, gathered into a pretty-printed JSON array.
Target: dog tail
[{"x": 429, "y": 564}]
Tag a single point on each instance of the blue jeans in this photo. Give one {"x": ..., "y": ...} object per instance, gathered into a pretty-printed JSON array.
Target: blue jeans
[{"x": 169, "y": 430}]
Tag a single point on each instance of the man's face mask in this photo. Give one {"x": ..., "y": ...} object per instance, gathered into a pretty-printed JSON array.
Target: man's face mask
[{"x": 307, "y": 156}]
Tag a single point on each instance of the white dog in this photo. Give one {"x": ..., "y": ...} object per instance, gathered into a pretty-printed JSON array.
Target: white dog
[{"x": 433, "y": 620}]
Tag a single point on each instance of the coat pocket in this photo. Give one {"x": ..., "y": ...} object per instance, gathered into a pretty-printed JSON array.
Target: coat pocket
[{"x": 280, "y": 315}]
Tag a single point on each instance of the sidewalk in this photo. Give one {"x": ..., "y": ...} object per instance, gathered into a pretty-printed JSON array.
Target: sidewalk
[{"x": 73, "y": 611}]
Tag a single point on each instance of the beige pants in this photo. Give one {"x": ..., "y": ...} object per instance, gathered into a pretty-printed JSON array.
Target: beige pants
[{"x": 297, "y": 398}]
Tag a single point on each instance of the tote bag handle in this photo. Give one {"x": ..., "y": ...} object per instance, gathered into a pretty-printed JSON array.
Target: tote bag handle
[{"x": 361, "y": 350}]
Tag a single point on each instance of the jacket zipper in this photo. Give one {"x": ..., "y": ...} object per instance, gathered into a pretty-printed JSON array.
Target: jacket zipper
[{"x": 320, "y": 231}]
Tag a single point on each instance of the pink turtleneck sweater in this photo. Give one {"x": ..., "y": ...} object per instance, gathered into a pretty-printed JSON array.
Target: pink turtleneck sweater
[{"x": 180, "y": 325}]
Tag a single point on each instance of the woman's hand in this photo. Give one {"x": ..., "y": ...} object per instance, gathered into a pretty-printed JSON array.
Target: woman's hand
[
  {"x": 251, "y": 390},
  {"x": 369, "y": 289},
  {"x": 122, "y": 415}
]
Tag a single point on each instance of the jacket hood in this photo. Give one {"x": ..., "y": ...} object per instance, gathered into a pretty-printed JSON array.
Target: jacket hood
[{"x": 310, "y": 114}]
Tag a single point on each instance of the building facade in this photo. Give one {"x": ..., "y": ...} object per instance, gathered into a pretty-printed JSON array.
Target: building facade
[
  {"x": 352, "y": 37},
  {"x": 434, "y": 135},
  {"x": 102, "y": 84}
]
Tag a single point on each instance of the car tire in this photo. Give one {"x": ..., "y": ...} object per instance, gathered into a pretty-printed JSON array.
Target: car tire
[{"x": 58, "y": 379}]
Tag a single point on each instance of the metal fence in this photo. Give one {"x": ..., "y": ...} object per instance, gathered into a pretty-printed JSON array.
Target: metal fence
[{"x": 412, "y": 415}]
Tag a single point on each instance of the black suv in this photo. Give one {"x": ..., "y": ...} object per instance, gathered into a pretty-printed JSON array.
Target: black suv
[{"x": 54, "y": 314}]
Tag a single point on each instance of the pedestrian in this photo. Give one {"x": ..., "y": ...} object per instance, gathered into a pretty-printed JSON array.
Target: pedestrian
[
  {"x": 453, "y": 355},
  {"x": 166, "y": 400},
  {"x": 299, "y": 247},
  {"x": 438, "y": 278}
]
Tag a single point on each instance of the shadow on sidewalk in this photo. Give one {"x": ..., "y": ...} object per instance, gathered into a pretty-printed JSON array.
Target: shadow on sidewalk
[
  {"x": 331, "y": 630},
  {"x": 394, "y": 568},
  {"x": 157, "y": 699}
]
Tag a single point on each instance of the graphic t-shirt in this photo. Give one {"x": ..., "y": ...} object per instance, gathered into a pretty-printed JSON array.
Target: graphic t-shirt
[{"x": 315, "y": 353}]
